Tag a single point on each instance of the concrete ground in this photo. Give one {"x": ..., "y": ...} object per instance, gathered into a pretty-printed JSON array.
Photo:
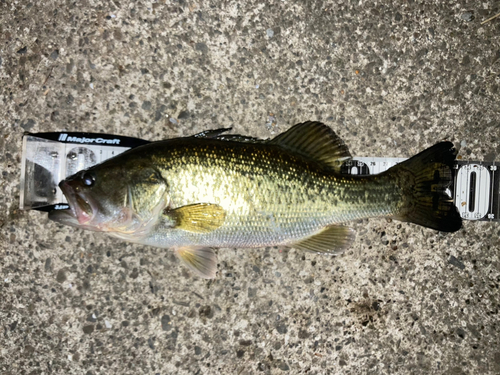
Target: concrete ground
[{"x": 390, "y": 79}]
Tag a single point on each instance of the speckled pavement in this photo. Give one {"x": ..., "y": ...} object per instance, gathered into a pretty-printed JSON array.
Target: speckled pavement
[{"x": 391, "y": 80}]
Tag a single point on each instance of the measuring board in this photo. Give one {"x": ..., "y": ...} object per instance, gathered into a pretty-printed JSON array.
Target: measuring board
[{"x": 48, "y": 158}]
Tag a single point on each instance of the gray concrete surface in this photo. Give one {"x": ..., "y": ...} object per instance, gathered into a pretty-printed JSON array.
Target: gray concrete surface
[{"x": 390, "y": 79}]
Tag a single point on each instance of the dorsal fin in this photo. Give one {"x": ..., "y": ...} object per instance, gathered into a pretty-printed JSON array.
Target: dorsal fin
[
  {"x": 211, "y": 133},
  {"x": 315, "y": 140},
  {"x": 221, "y": 136}
]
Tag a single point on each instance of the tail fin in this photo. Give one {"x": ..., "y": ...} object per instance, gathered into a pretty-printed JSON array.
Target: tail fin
[{"x": 424, "y": 179}]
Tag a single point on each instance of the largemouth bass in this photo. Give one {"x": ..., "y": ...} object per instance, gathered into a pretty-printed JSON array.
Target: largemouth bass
[{"x": 213, "y": 190}]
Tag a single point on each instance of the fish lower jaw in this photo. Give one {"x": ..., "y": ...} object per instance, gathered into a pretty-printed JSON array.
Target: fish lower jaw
[{"x": 82, "y": 217}]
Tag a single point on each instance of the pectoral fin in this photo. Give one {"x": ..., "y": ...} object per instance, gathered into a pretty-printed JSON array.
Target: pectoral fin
[
  {"x": 197, "y": 218},
  {"x": 201, "y": 260},
  {"x": 331, "y": 240}
]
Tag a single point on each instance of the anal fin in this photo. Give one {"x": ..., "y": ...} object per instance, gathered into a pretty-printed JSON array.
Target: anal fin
[{"x": 331, "y": 240}]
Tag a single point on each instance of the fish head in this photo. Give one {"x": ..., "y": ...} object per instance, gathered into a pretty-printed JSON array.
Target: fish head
[{"x": 124, "y": 198}]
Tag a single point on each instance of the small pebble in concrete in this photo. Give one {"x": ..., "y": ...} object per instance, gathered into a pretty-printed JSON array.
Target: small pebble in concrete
[
  {"x": 455, "y": 262},
  {"x": 467, "y": 16}
]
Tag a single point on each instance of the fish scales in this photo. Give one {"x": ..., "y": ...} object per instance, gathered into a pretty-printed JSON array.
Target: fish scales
[{"x": 271, "y": 197}]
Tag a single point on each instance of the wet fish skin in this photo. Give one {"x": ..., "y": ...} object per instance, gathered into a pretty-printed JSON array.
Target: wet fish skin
[
  {"x": 271, "y": 197},
  {"x": 215, "y": 190}
]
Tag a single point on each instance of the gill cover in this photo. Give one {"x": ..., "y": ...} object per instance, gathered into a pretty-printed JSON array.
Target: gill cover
[
  {"x": 143, "y": 204},
  {"x": 146, "y": 192}
]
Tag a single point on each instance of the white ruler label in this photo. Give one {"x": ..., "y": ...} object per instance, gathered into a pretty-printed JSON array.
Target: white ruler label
[
  {"x": 474, "y": 188},
  {"x": 49, "y": 158}
]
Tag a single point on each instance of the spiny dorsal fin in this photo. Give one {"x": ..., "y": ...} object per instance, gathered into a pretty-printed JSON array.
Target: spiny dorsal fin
[
  {"x": 211, "y": 133},
  {"x": 239, "y": 138},
  {"x": 331, "y": 240},
  {"x": 315, "y": 140},
  {"x": 220, "y": 135}
]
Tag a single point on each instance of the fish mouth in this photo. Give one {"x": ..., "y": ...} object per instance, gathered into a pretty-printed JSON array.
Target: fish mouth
[
  {"x": 82, "y": 209},
  {"x": 67, "y": 217}
]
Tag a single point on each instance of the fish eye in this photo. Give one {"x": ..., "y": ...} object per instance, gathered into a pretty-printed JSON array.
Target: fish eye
[{"x": 88, "y": 179}]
